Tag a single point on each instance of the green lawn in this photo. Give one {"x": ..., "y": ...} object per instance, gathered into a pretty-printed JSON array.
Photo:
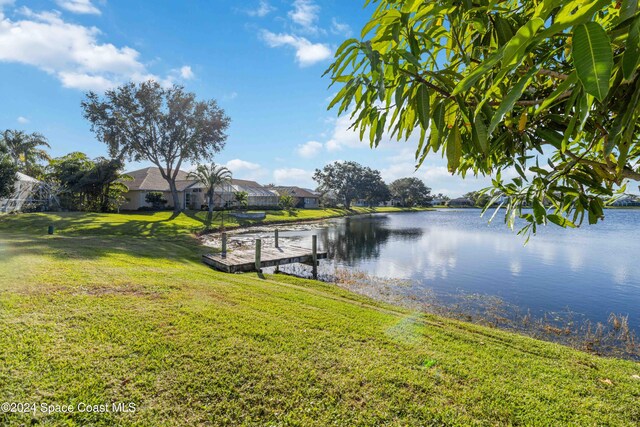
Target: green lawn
[
  {"x": 166, "y": 223},
  {"x": 118, "y": 308}
]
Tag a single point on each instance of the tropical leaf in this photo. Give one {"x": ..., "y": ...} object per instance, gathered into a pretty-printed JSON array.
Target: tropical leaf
[
  {"x": 509, "y": 101},
  {"x": 422, "y": 105},
  {"x": 519, "y": 43},
  {"x": 593, "y": 58},
  {"x": 631, "y": 57},
  {"x": 454, "y": 149}
]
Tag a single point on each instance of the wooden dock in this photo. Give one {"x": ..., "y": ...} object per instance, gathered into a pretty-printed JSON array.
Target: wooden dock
[{"x": 246, "y": 260}]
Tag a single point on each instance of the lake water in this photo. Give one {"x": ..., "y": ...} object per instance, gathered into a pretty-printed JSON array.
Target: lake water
[{"x": 454, "y": 254}]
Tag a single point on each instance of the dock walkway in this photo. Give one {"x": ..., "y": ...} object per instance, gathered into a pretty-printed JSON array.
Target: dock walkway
[{"x": 245, "y": 260}]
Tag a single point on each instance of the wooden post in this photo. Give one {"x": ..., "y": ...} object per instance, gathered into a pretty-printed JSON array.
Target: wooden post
[
  {"x": 258, "y": 253},
  {"x": 277, "y": 238},
  {"x": 314, "y": 253},
  {"x": 224, "y": 244}
]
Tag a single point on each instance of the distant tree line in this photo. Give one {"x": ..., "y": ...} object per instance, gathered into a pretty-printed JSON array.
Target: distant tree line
[{"x": 348, "y": 181}]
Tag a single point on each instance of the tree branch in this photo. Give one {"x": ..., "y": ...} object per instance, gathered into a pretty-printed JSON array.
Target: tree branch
[
  {"x": 626, "y": 173},
  {"x": 551, "y": 73}
]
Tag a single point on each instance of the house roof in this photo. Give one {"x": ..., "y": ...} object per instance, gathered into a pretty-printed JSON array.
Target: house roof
[
  {"x": 150, "y": 179},
  {"x": 296, "y": 192},
  {"x": 25, "y": 178}
]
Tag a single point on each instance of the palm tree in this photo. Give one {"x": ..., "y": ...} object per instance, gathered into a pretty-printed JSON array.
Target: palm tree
[
  {"x": 242, "y": 199},
  {"x": 211, "y": 176},
  {"x": 24, "y": 148}
]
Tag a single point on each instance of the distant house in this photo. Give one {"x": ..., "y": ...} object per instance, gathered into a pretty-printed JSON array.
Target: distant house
[
  {"x": 460, "y": 202},
  {"x": 191, "y": 192},
  {"x": 627, "y": 200},
  {"x": 367, "y": 204},
  {"x": 305, "y": 198}
]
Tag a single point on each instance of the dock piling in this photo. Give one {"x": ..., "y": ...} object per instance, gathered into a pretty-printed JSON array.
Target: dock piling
[
  {"x": 314, "y": 255},
  {"x": 224, "y": 244},
  {"x": 258, "y": 254},
  {"x": 277, "y": 238}
]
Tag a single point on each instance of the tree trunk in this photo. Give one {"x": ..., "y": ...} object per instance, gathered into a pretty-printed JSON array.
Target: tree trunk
[
  {"x": 210, "y": 202},
  {"x": 347, "y": 203},
  {"x": 175, "y": 196}
]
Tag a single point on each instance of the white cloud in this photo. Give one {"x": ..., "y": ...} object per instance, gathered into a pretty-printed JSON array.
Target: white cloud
[
  {"x": 4, "y": 3},
  {"x": 22, "y": 120},
  {"x": 263, "y": 9},
  {"x": 340, "y": 28},
  {"x": 237, "y": 165},
  {"x": 342, "y": 136},
  {"x": 186, "y": 72},
  {"x": 305, "y": 14},
  {"x": 309, "y": 149},
  {"x": 71, "y": 52},
  {"x": 293, "y": 176},
  {"x": 243, "y": 169},
  {"x": 79, "y": 6},
  {"x": 307, "y": 53},
  {"x": 230, "y": 96}
]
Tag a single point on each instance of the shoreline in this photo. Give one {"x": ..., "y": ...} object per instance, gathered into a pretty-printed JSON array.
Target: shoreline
[{"x": 239, "y": 229}]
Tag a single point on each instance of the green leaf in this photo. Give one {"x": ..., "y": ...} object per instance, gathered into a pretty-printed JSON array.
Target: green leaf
[
  {"x": 454, "y": 149},
  {"x": 368, "y": 27},
  {"x": 519, "y": 43},
  {"x": 509, "y": 101},
  {"x": 550, "y": 136},
  {"x": 466, "y": 83},
  {"x": 593, "y": 58},
  {"x": 538, "y": 211},
  {"x": 422, "y": 105},
  {"x": 561, "y": 221},
  {"x": 504, "y": 33},
  {"x": 480, "y": 134},
  {"x": 631, "y": 57},
  {"x": 628, "y": 9}
]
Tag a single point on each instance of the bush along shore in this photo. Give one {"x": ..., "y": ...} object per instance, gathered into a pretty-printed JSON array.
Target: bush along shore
[{"x": 119, "y": 308}]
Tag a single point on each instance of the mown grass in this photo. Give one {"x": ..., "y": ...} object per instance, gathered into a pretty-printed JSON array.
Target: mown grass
[
  {"x": 120, "y": 309},
  {"x": 166, "y": 223}
]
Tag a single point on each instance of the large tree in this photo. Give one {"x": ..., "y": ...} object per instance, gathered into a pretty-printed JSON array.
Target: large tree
[
  {"x": 26, "y": 150},
  {"x": 349, "y": 181},
  {"x": 89, "y": 185},
  {"x": 549, "y": 89},
  {"x": 411, "y": 191},
  {"x": 166, "y": 126},
  {"x": 374, "y": 189},
  {"x": 478, "y": 198}
]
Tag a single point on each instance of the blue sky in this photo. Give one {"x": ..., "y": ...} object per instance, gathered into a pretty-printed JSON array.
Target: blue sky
[{"x": 261, "y": 59}]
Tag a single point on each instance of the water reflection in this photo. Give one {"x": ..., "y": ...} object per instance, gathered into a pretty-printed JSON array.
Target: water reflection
[
  {"x": 353, "y": 240},
  {"x": 592, "y": 270}
]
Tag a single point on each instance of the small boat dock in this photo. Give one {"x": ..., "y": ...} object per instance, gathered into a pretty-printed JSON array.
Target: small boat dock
[{"x": 254, "y": 259}]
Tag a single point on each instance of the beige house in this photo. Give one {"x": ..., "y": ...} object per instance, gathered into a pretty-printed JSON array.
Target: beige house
[
  {"x": 193, "y": 194},
  {"x": 304, "y": 198}
]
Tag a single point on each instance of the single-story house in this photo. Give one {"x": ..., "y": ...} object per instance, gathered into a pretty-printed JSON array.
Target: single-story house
[
  {"x": 627, "y": 200},
  {"x": 305, "y": 198},
  {"x": 192, "y": 193},
  {"x": 460, "y": 202}
]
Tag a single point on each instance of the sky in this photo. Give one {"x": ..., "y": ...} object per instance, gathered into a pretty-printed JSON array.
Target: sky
[{"x": 262, "y": 60}]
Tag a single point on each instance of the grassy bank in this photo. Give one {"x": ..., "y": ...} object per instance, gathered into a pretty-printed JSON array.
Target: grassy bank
[
  {"x": 166, "y": 223},
  {"x": 118, "y": 308}
]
